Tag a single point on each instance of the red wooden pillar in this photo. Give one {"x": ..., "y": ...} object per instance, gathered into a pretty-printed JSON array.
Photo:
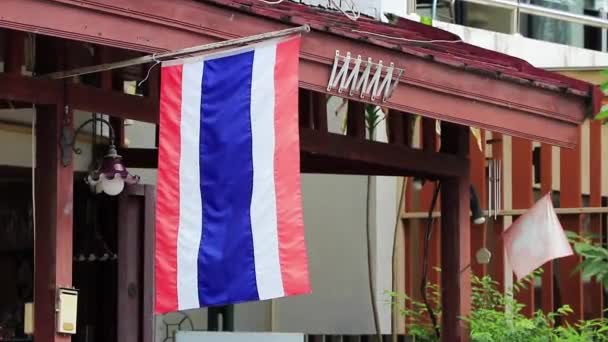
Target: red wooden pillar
[
  {"x": 429, "y": 143},
  {"x": 571, "y": 285},
  {"x": 523, "y": 198},
  {"x": 546, "y": 185},
  {"x": 455, "y": 241},
  {"x": 411, "y": 247},
  {"x": 593, "y": 290},
  {"x": 54, "y": 182},
  {"x": 478, "y": 180},
  {"x": 15, "y": 55},
  {"x": 53, "y": 243}
]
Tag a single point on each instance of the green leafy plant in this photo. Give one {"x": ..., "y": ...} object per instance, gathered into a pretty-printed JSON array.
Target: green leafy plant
[
  {"x": 603, "y": 114},
  {"x": 595, "y": 258},
  {"x": 498, "y": 317}
]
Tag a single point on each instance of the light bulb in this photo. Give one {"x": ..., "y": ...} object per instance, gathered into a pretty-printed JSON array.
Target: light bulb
[
  {"x": 113, "y": 186},
  {"x": 98, "y": 187}
]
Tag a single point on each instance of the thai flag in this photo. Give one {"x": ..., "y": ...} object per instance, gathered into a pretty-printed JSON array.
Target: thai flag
[{"x": 229, "y": 224}]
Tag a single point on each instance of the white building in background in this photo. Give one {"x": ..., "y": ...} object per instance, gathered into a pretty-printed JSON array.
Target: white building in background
[{"x": 334, "y": 206}]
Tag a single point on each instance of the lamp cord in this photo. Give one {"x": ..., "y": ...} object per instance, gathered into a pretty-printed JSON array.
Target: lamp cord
[{"x": 425, "y": 262}]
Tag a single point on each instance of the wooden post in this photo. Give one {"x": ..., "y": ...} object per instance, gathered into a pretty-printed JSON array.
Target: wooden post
[
  {"x": 355, "y": 120},
  {"x": 54, "y": 202},
  {"x": 594, "y": 290},
  {"x": 149, "y": 327},
  {"x": 53, "y": 243},
  {"x": 455, "y": 241},
  {"x": 523, "y": 199},
  {"x": 15, "y": 55},
  {"x": 129, "y": 265},
  {"x": 546, "y": 185},
  {"x": 571, "y": 285}
]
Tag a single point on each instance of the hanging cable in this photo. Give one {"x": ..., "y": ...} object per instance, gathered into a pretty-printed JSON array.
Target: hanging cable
[
  {"x": 353, "y": 14},
  {"x": 370, "y": 273},
  {"x": 428, "y": 41},
  {"x": 425, "y": 260},
  {"x": 394, "y": 258},
  {"x": 354, "y": 11}
]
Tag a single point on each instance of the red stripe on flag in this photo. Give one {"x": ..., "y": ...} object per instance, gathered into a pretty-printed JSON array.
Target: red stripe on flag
[
  {"x": 290, "y": 223},
  {"x": 167, "y": 198}
]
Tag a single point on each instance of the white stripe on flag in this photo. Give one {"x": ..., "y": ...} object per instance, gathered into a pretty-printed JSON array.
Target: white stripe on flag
[
  {"x": 190, "y": 207},
  {"x": 263, "y": 198}
]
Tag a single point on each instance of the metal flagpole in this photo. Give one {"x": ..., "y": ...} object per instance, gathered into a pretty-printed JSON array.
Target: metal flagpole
[{"x": 158, "y": 57}]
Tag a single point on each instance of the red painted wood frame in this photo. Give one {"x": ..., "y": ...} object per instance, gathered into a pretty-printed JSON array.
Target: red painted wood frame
[
  {"x": 427, "y": 88},
  {"x": 594, "y": 292},
  {"x": 54, "y": 203},
  {"x": 546, "y": 185},
  {"x": 455, "y": 241},
  {"x": 570, "y": 286},
  {"x": 135, "y": 315},
  {"x": 523, "y": 198}
]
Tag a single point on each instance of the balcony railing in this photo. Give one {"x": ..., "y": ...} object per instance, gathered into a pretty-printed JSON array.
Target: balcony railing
[{"x": 524, "y": 8}]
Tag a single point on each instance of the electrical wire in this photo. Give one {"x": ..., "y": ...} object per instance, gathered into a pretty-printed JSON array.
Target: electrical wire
[
  {"x": 370, "y": 273},
  {"x": 353, "y": 14},
  {"x": 394, "y": 258},
  {"x": 408, "y": 40},
  {"x": 425, "y": 260}
]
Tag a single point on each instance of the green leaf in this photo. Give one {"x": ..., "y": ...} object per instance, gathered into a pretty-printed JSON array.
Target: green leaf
[
  {"x": 603, "y": 115},
  {"x": 593, "y": 269}
]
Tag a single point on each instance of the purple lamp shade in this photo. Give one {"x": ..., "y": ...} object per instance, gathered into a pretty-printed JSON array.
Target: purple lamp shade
[{"x": 111, "y": 176}]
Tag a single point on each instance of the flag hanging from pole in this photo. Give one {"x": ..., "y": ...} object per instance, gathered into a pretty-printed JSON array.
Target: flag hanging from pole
[
  {"x": 535, "y": 238},
  {"x": 229, "y": 225}
]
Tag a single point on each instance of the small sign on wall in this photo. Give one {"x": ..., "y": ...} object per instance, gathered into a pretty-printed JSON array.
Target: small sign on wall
[{"x": 208, "y": 336}]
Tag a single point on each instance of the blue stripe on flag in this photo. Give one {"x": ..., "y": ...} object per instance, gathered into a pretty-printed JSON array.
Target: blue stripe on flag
[{"x": 226, "y": 267}]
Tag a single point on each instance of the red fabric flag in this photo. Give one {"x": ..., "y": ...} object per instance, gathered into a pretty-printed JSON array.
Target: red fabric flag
[{"x": 535, "y": 238}]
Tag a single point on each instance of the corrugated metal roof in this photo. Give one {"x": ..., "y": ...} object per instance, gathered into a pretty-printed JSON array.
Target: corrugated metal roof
[{"x": 419, "y": 40}]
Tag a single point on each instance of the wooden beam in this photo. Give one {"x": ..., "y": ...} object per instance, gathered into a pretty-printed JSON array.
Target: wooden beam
[
  {"x": 455, "y": 241},
  {"x": 53, "y": 243},
  {"x": 87, "y": 98},
  {"x": 517, "y": 212},
  {"x": 15, "y": 87},
  {"x": 337, "y": 154},
  {"x": 445, "y": 92},
  {"x": 113, "y": 103}
]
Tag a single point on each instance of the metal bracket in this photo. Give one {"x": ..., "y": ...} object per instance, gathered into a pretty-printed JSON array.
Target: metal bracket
[
  {"x": 68, "y": 139},
  {"x": 376, "y": 85},
  {"x": 66, "y": 143}
]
